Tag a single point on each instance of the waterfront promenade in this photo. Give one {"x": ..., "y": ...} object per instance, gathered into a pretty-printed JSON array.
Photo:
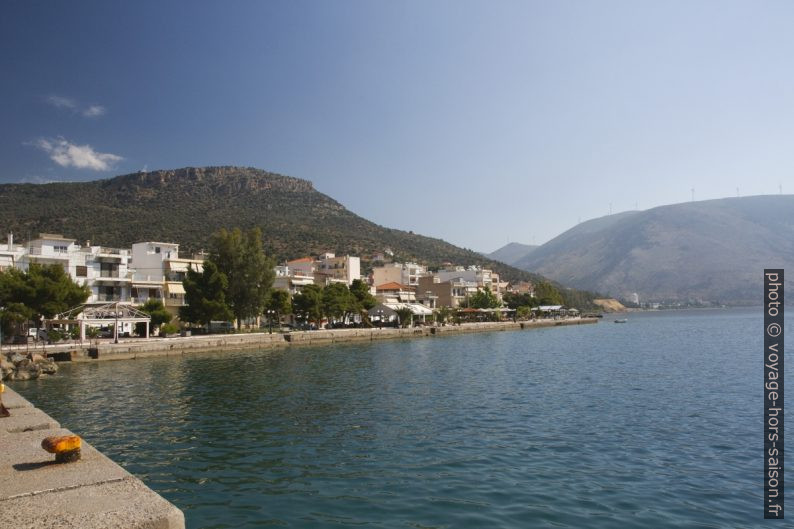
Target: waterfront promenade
[{"x": 132, "y": 348}]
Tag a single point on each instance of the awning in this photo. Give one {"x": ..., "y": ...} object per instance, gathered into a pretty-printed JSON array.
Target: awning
[
  {"x": 176, "y": 266},
  {"x": 415, "y": 308},
  {"x": 147, "y": 284},
  {"x": 175, "y": 288}
]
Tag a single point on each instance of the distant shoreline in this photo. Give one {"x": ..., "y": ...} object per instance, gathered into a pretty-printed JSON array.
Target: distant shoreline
[{"x": 143, "y": 348}]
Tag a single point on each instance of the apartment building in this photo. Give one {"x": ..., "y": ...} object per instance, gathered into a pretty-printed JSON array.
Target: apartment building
[
  {"x": 159, "y": 272},
  {"x": 403, "y": 273}
]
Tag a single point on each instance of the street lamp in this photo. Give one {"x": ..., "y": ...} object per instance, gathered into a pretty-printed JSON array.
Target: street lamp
[
  {"x": 2, "y": 310},
  {"x": 379, "y": 312},
  {"x": 270, "y": 313}
]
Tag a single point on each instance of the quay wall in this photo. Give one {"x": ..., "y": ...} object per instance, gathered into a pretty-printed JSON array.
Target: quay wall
[
  {"x": 129, "y": 349},
  {"x": 92, "y": 493}
]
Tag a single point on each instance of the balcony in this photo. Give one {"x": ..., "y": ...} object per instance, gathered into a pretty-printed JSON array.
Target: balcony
[{"x": 110, "y": 298}]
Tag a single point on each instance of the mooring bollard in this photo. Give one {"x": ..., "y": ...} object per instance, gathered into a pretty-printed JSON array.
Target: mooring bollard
[
  {"x": 66, "y": 448},
  {"x": 3, "y": 410}
]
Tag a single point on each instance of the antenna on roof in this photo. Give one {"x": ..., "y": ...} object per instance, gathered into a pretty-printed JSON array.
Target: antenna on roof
[{"x": 737, "y": 192}]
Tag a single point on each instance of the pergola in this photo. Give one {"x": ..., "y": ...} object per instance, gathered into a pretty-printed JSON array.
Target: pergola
[{"x": 100, "y": 315}]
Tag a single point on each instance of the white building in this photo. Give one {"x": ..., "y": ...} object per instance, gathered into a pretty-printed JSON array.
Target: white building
[
  {"x": 10, "y": 253},
  {"x": 482, "y": 277},
  {"x": 105, "y": 271},
  {"x": 291, "y": 280},
  {"x": 330, "y": 268},
  {"x": 159, "y": 272},
  {"x": 402, "y": 273}
]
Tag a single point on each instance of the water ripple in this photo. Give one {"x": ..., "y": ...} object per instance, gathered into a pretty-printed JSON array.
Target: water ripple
[{"x": 648, "y": 424}]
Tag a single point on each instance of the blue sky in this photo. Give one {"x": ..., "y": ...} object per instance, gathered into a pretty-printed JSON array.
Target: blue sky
[{"x": 478, "y": 122}]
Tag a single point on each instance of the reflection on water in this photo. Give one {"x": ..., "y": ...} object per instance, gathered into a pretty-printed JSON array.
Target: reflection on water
[{"x": 655, "y": 423}]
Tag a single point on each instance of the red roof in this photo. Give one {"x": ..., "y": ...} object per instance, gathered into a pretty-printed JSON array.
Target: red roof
[
  {"x": 301, "y": 260},
  {"x": 392, "y": 286}
]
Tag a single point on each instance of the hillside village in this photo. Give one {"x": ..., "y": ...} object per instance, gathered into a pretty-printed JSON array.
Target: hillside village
[{"x": 156, "y": 271}]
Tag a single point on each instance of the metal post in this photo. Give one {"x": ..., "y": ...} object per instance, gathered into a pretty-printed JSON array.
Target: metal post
[{"x": 116, "y": 325}]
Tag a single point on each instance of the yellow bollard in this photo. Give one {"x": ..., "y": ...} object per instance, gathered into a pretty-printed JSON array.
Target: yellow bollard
[
  {"x": 66, "y": 447},
  {"x": 3, "y": 410}
]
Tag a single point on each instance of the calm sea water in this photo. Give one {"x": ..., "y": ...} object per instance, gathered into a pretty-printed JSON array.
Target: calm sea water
[{"x": 654, "y": 423}]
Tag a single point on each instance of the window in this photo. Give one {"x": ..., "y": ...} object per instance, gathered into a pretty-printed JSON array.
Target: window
[
  {"x": 82, "y": 271},
  {"x": 156, "y": 249}
]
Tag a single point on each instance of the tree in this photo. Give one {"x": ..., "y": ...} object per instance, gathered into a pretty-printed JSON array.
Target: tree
[
  {"x": 515, "y": 300},
  {"x": 249, "y": 272},
  {"x": 13, "y": 291},
  {"x": 523, "y": 312},
  {"x": 405, "y": 315},
  {"x": 309, "y": 302},
  {"x": 484, "y": 299},
  {"x": 157, "y": 311},
  {"x": 442, "y": 314},
  {"x": 360, "y": 291},
  {"x": 547, "y": 294},
  {"x": 53, "y": 290},
  {"x": 41, "y": 292},
  {"x": 205, "y": 296},
  {"x": 280, "y": 302},
  {"x": 338, "y": 301}
]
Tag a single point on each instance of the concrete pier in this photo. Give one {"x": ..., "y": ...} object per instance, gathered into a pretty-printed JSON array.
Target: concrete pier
[{"x": 91, "y": 493}]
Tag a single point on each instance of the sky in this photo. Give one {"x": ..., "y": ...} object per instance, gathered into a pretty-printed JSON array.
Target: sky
[{"x": 481, "y": 123}]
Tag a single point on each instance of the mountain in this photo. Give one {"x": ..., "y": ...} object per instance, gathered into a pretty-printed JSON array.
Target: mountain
[
  {"x": 714, "y": 250},
  {"x": 187, "y": 205},
  {"x": 511, "y": 253}
]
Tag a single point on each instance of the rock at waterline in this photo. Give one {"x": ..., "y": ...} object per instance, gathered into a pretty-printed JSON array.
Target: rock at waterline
[{"x": 18, "y": 367}]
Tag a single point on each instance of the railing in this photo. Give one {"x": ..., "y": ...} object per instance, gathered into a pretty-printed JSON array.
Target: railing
[
  {"x": 112, "y": 297},
  {"x": 140, "y": 300},
  {"x": 109, "y": 273}
]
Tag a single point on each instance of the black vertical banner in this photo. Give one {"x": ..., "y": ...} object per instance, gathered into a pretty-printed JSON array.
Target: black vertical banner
[{"x": 773, "y": 394}]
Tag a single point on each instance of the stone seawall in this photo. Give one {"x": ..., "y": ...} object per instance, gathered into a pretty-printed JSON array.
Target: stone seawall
[
  {"x": 128, "y": 349},
  {"x": 91, "y": 493}
]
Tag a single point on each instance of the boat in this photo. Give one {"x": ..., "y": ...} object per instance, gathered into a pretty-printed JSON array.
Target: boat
[{"x": 621, "y": 321}]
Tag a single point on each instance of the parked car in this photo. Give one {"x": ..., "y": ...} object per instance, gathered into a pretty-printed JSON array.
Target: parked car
[{"x": 38, "y": 334}]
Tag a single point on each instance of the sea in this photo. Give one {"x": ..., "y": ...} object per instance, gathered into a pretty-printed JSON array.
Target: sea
[{"x": 656, "y": 422}]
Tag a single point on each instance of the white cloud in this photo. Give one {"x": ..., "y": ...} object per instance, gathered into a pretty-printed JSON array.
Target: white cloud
[
  {"x": 90, "y": 111},
  {"x": 36, "y": 179},
  {"x": 94, "y": 111},
  {"x": 68, "y": 154},
  {"x": 61, "y": 102}
]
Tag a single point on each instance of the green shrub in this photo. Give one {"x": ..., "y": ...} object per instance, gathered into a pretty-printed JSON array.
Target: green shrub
[{"x": 168, "y": 328}]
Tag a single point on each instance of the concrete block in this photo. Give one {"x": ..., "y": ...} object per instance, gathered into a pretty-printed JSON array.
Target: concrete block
[
  {"x": 122, "y": 504},
  {"x": 12, "y": 399},
  {"x": 25, "y": 419},
  {"x": 26, "y": 468}
]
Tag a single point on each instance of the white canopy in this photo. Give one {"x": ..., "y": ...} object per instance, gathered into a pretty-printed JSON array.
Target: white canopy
[{"x": 110, "y": 313}]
